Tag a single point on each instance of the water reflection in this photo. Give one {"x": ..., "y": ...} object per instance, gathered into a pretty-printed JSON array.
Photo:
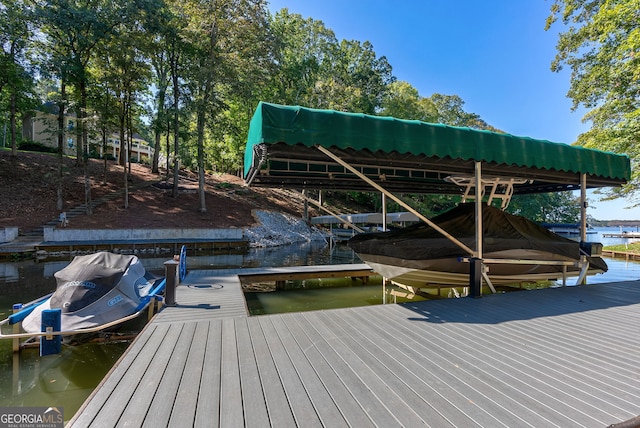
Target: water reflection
[{"x": 64, "y": 380}]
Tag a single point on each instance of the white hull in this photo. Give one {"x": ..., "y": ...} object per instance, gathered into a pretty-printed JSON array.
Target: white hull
[{"x": 419, "y": 278}]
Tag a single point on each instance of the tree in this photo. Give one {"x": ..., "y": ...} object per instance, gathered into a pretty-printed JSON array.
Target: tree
[
  {"x": 303, "y": 55},
  {"x": 356, "y": 81},
  {"x": 72, "y": 30},
  {"x": 223, "y": 40},
  {"x": 451, "y": 112},
  {"x": 557, "y": 207},
  {"x": 600, "y": 43},
  {"x": 403, "y": 101},
  {"x": 16, "y": 83}
]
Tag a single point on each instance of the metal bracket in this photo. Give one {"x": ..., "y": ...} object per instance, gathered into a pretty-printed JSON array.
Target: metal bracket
[{"x": 501, "y": 188}]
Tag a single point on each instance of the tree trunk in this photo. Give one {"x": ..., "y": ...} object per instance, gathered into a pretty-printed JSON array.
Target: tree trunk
[
  {"x": 168, "y": 146},
  {"x": 61, "y": 133},
  {"x": 123, "y": 157},
  {"x": 158, "y": 129},
  {"x": 12, "y": 124},
  {"x": 200, "y": 131},
  {"x": 176, "y": 134},
  {"x": 80, "y": 147},
  {"x": 87, "y": 188},
  {"x": 129, "y": 134},
  {"x": 104, "y": 156}
]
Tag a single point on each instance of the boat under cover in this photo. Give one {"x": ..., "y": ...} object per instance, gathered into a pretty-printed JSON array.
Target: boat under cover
[
  {"x": 420, "y": 256},
  {"x": 94, "y": 290}
]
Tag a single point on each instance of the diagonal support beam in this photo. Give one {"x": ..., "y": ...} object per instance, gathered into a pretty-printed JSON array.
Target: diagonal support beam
[
  {"x": 319, "y": 205},
  {"x": 395, "y": 199}
]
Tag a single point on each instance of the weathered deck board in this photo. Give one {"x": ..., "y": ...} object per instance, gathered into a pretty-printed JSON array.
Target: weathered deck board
[
  {"x": 210, "y": 380},
  {"x": 560, "y": 357},
  {"x": 318, "y": 394}
]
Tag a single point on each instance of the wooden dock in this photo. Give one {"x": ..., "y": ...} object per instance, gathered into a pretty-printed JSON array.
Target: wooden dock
[
  {"x": 560, "y": 357},
  {"x": 627, "y": 255}
]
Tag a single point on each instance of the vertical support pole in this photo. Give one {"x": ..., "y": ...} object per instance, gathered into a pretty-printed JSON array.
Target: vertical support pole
[
  {"x": 479, "y": 191},
  {"x": 171, "y": 275},
  {"x": 305, "y": 213},
  {"x": 583, "y": 221},
  {"x": 384, "y": 212},
  {"x": 16, "y": 328},
  {"x": 51, "y": 322},
  {"x": 475, "y": 277},
  {"x": 583, "y": 208},
  {"x": 475, "y": 264}
]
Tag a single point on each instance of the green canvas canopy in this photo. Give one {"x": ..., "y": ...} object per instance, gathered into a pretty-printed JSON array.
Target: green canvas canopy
[{"x": 410, "y": 156}]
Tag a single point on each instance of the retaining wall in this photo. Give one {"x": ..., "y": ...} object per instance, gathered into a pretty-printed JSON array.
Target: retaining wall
[
  {"x": 8, "y": 234},
  {"x": 53, "y": 234}
]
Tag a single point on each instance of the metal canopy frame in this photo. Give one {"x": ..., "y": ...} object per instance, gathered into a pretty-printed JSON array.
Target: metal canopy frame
[{"x": 300, "y": 167}]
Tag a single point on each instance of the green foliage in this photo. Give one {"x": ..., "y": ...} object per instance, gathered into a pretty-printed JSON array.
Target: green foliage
[
  {"x": 189, "y": 74},
  {"x": 32, "y": 146},
  {"x": 633, "y": 247},
  {"x": 601, "y": 45},
  {"x": 403, "y": 101},
  {"x": 314, "y": 69},
  {"x": 559, "y": 207}
]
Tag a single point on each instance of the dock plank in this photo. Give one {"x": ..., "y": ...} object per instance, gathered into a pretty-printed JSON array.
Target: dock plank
[
  {"x": 328, "y": 412},
  {"x": 464, "y": 370},
  {"x": 184, "y": 408},
  {"x": 231, "y": 412},
  {"x": 138, "y": 402},
  {"x": 331, "y": 349},
  {"x": 253, "y": 400},
  {"x": 208, "y": 405},
  {"x": 164, "y": 400},
  {"x": 396, "y": 373},
  {"x": 302, "y": 408},
  {"x": 387, "y": 387},
  {"x": 350, "y": 409},
  {"x": 556, "y": 357},
  {"x": 131, "y": 365},
  {"x": 275, "y": 396}
]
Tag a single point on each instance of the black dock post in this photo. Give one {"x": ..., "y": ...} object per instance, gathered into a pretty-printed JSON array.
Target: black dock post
[
  {"x": 170, "y": 274},
  {"x": 475, "y": 277}
]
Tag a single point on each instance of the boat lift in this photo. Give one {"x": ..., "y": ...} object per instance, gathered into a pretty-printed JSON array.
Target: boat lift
[
  {"x": 478, "y": 267},
  {"x": 288, "y": 146}
]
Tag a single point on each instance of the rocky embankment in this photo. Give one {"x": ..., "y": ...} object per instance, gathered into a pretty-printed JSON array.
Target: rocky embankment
[{"x": 277, "y": 229}]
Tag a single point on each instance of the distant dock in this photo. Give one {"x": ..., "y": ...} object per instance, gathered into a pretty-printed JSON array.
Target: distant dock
[
  {"x": 622, "y": 235},
  {"x": 627, "y": 255},
  {"x": 554, "y": 357}
]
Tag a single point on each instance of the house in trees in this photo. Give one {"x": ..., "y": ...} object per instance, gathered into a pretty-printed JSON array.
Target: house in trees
[{"x": 41, "y": 126}]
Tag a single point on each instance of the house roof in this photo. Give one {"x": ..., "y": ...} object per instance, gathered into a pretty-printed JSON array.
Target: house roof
[{"x": 410, "y": 156}]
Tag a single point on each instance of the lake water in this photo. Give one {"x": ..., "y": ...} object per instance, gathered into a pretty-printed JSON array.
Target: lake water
[{"x": 66, "y": 380}]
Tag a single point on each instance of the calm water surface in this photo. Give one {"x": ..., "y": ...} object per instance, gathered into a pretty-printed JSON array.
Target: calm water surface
[{"x": 66, "y": 380}]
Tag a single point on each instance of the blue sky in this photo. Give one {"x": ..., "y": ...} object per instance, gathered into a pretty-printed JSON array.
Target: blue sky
[{"x": 494, "y": 54}]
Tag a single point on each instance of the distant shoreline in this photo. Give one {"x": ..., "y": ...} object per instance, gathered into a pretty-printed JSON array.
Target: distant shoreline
[{"x": 615, "y": 223}]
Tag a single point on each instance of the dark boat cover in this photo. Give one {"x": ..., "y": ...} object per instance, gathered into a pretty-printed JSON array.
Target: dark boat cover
[
  {"x": 94, "y": 290},
  {"x": 501, "y": 231}
]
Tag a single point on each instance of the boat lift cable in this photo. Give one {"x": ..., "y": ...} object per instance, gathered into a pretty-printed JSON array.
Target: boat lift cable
[{"x": 395, "y": 199}]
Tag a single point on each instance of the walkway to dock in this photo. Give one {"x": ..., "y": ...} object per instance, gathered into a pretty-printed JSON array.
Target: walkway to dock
[{"x": 560, "y": 357}]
